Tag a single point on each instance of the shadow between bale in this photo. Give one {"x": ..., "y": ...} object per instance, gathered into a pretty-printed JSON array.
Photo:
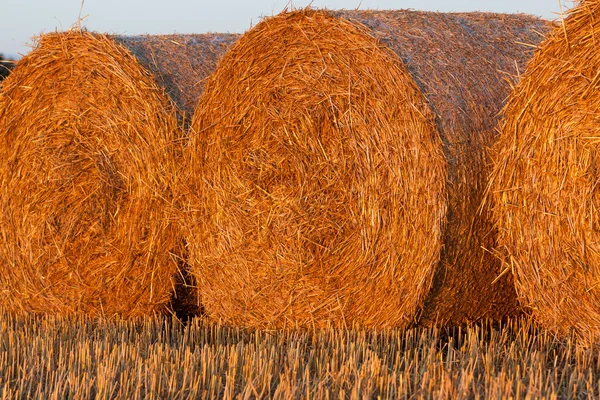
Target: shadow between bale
[
  {"x": 90, "y": 151},
  {"x": 545, "y": 181},
  {"x": 337, "y": 164}
]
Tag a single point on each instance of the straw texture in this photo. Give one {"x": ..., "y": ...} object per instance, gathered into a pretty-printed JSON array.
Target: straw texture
[
  {"x": 545, "y": 182},
  {"x": 338, "y": 163},
  {"x": 89, "y": 142},
  {"x": 179, "y": 63}
]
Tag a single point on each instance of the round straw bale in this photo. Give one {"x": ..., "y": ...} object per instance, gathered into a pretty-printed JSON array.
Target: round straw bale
[
  {"x": 545, "y": 179},
  {"x": 88, "y": 163},
  {"x": 337, "y": 165}
]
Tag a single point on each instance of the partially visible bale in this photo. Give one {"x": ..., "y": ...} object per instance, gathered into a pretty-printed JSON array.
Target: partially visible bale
[
  {"x": 5, "y": 67},
  {"x": 546, "y": 178},
  {"x": 89, "y": 157},
  {"x": 338, "y": 164}
]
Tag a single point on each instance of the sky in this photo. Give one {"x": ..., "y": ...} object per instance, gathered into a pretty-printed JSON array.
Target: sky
[{"x": 21, "y": 20}]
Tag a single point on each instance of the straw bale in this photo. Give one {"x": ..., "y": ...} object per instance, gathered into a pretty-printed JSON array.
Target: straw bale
[
  {"x": 545, "y": 179},
  {"x": 337, "y": 165},
  {"x": 89, "y": 150}
]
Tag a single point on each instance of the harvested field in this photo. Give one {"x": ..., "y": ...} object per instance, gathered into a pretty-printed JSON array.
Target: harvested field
[
  {"x": 337, "y": 165},
  {"x": 90, "y": 137},
  {"x": 545, "y": 181},
  {"x": 157, "y": 359}
]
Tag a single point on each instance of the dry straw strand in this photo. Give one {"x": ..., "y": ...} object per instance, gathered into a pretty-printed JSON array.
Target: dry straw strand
[{"x": 337, "y": 163}]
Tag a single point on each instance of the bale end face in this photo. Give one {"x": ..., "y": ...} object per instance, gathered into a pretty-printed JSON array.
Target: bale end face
[
  {"x": 317, "y": 192},
  {"x": 86, "y": 154},
  {"x": 545, "y": 180}
]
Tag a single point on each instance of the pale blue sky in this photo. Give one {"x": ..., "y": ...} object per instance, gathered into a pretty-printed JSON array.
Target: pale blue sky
[{"x": 23, "y": 19}]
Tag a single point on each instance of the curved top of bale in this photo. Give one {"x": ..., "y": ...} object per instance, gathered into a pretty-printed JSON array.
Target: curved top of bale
[
  {"x": 87, "y": 155},
  {"x": 545, "y": 181},
  {"x": 461, "y": 61},
  {"x": 318, "y": 173},
  {"x": 180, "y": 63}
]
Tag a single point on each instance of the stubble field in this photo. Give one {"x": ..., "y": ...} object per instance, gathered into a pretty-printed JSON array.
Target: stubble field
[{"x": 162, "y": 358}]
